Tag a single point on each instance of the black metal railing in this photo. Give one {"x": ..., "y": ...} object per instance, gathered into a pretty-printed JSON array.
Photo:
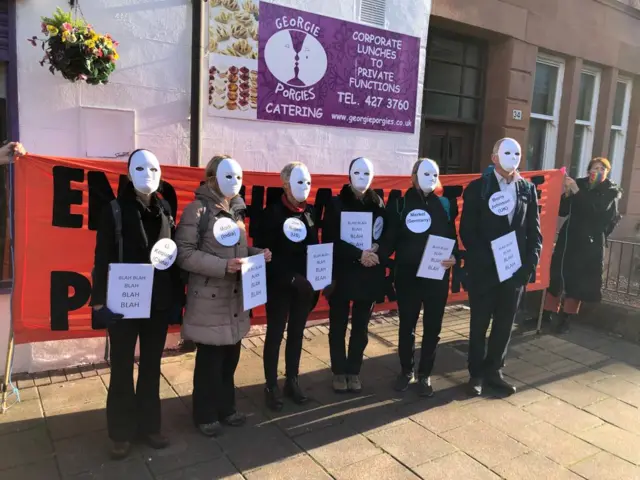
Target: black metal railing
[{"x": 621, "y": 278}]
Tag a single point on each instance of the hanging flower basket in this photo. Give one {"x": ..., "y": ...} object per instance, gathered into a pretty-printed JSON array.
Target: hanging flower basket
[{"x": 76, "y": 50}]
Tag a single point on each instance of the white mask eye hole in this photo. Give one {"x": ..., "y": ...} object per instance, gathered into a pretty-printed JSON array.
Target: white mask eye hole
[
  {"x": 229, "y": 177},
  {"x": 139, "y": 169},
  {"x": 154, "y": 169},
  {"x": 367, "y": 173},
  {"x": 435, "y": 175},
  {"x": 300, "y": 182},
  {"x": 517, "y": 154},
  {"x": 356, "y": 173}
]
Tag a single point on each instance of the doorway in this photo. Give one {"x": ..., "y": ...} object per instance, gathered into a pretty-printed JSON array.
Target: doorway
[{"x": 450, "y": 145}]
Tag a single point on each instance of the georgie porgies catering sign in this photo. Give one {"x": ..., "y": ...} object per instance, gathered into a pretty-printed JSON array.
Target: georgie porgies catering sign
[{"x": 311, "y": 69}]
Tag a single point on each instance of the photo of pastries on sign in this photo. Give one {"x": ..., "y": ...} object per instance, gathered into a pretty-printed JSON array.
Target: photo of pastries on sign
[
  {"x": 233, "y": 28},
  {"x": 233, "y": 87}
]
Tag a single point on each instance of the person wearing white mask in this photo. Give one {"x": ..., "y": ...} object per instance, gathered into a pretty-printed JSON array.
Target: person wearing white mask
[
  {"x": 501, "y": 202},
  {"x": 129, "y": 228},
  {"x": 414, "y": 218},
  {"x": 288, "y": 227},
  {"x": 212, "y": 245},
  {"x": 358, "y": 271}
]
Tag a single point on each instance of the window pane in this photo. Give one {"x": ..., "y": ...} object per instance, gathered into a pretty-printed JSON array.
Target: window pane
[
  {"x": 585, "y": 99},
  {"x": 612, "y": 145},
  {"x": 472, "y": 55},
  {"x": 469, "y": 109},
  {"x": 445, "y": 49},
  {"x": 535, "y": 148},
  {"x": 544, "y": 89},
  {"x": 576, "y": 154},
  {"x": 444, "y": 77},
  {"x": 442, "y": 105},
  {"x": 618, "y": 106},
  {"x": 470, "y": 84}
]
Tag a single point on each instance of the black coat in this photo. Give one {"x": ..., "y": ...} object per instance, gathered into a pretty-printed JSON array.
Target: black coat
[
  {"x": 592, "y": 215},
  {"x": 409, "y": 246},
  {"x": 142, "y": 227},
  {"x": 479, "y": 226},
  {"x": 351, "y": 279},
  {"x": 289, "y": 258}
]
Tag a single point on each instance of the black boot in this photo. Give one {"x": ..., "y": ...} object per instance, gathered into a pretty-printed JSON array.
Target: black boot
[
  {"x": 498, "y": 383},
  {"x": 273, "y": 398},
  {"x": 563, "y": 323},
  {"x": 294, "y": 392}
]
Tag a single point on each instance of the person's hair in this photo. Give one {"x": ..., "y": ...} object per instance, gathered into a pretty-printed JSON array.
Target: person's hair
[
  {"x": 133, "y": 153},
  {"x": 285, "y": 173},
  {"x": 211, "y": 169},
  {"x": 605, "y": 162}
]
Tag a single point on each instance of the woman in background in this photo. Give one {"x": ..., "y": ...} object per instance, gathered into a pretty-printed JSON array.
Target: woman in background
[{"x": 590, "y": 205}]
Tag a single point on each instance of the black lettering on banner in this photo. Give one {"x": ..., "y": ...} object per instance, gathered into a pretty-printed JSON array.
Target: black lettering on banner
[
  {"x": 64, "y": 196},
  {"x": 100, "y": 194},
  {"x": 60, "y": 300}
]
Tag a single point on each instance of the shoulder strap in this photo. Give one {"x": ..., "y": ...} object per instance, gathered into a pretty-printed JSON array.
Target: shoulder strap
[
  {"x": 486, "y": 182},
  {"x": 446, "y": 205},
  {"x": 203, "y": 223},
  {"x": 117, "y": 221}
]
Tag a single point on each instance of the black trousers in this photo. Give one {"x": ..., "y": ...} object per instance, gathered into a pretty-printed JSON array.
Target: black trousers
[
  {"x": 214, "y": 396},
  {"x": 415, "y": 294},
  {"x": 286, "y": 304},
  {"x": 135, "y": 412},
  {"x": 339, "y": 308},
  {"x": 500, "y": 302}
]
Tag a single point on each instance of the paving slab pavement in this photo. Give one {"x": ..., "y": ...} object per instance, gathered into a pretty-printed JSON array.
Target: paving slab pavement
[{"x": 575, "y": 416}]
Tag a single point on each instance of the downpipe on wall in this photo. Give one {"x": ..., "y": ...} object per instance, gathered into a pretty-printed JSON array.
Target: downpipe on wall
[{"x": 197, "y": 105}]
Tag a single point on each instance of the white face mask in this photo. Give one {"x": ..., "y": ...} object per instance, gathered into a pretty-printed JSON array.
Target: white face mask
[
  {"x": 144, "y": 170},
  {"x": 361, "y": 174},
  {"x": 300, "y": 183},
  {"x": 229, "y": 177},
  {"x": 509, "y": 154},
  {"x": 428, "y": 173}
]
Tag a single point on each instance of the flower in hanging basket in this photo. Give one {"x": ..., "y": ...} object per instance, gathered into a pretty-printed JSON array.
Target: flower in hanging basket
[{"x": 76, "y": 50}]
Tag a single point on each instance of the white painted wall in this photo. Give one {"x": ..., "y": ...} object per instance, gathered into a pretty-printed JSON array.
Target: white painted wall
[{"x": 153, "y": 79}]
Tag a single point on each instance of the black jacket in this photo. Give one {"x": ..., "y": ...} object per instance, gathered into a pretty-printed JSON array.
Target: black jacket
[
  {"x": 409, "y": 246},
  {"x": 592, "y": 215},
  {"x": 351, "y": 279},
  {"x": 289, "y": 258},
  {"x": 142, "y": 227},
  {"x": 479, "y": 226}
]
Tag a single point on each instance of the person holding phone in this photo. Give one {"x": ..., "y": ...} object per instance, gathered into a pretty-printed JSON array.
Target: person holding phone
[
  {"x": 212, "y": 246},
  {"x": 129, "y": 228},
  {"x": 413, "y": 219},
  {"x": 288, "y": 228},
  {"x": 590, "y": 206}
]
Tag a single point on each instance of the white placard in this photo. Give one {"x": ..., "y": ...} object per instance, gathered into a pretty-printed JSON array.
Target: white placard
[
  {"x": 320, "y": 265},
  {"x": 501, "y": 203},
  {"x": 506, "y": 255},
  {"x": 226, "y": 231},
  {"x": 356, "y": 228},
  {"x": 378, "y": 227},
  {"x": 129, "y": 289},
  {"x": 294, "y": 229},
  {"x": 254, "y": 282},
  {"x": 418, "y": 221},
  {"x": 436, "y": 250},
  {"x": 163, "y": 254}
]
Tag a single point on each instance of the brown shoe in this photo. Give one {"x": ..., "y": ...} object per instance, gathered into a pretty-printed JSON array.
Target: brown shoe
[
  {"x": 157, "y": 441},
  {"x": 120, "y": 450}
]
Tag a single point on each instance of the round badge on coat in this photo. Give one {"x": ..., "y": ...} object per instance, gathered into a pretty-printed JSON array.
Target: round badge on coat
[
  {"x": 378, "y": 226},
  {"x": 226, "y": 232},
  {"x": 501, "y": 204},
  {"x": 163, "y": 254},
  {"x": 418, "y": 221},
  {"x": 294, "y": 229}
]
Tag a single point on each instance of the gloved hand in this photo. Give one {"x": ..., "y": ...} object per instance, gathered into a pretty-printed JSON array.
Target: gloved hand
[
  {"x": 522, "y": 276},
  {"x": 104, "y": 318}
]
